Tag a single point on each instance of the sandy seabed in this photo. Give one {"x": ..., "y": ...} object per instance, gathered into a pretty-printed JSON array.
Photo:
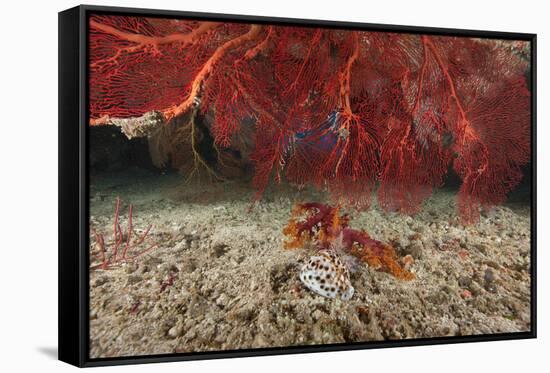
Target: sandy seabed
[{"x": 221, "y": 280}]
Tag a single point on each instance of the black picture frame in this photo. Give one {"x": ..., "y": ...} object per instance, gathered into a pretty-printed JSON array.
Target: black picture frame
[{"x": 74, "y": 186}]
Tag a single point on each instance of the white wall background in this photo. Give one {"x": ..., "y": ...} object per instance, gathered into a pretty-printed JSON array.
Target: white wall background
[{"x": 28, "y": 184}]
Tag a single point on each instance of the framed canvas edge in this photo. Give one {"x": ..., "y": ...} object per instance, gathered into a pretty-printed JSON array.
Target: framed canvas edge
[
  {"x": 73, "y": 299},
  {"x": 282, "y": 21},
  {"x": 70, "y": 215}
]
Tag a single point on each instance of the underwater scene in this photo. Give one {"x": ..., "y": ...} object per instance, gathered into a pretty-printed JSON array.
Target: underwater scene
[{"x": 261, "y": 186}]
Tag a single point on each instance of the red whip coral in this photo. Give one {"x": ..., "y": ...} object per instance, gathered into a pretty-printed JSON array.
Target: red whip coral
[
  {"x": 348, "y": 111},
  {"x": 323, "y": 225},
  {"x": 123, "y": 242}
]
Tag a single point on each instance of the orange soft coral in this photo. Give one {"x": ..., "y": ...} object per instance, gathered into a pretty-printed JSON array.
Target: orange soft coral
[
  {"x": 323, "y": 225},
  {"x": 384, "y": 258}
]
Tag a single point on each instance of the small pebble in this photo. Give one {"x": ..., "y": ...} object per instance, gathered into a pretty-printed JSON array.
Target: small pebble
[
  {"x": 175, "y": 331},
  {"x": 131, "y": 267},
  {"x": 133, "y": 279},
  {"x": 222, "y": 300},
  {"x": 100, "y": 281}
]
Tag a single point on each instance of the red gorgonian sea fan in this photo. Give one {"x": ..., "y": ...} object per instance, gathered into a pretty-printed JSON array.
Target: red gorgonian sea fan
[{"x": 351, "y": 111}]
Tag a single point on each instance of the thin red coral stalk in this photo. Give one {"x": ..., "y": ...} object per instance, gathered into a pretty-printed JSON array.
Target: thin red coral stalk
[
  {"x": 100, "y": 241},
  {"x": 129, "y": 234},
  {"x": 116, "y": 229}
]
